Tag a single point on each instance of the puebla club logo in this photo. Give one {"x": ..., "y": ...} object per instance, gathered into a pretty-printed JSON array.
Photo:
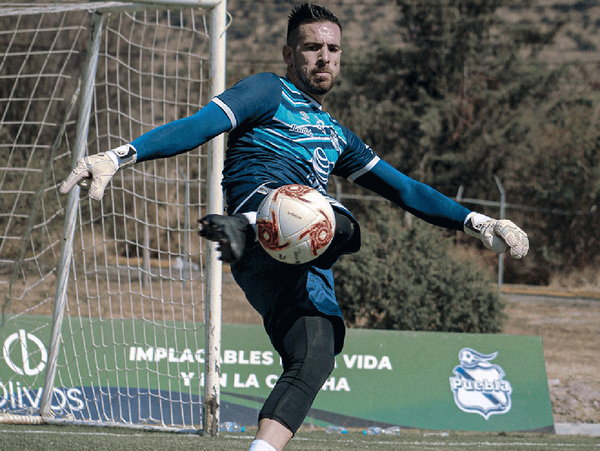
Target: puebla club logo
[{"x": 479, "y": 386}]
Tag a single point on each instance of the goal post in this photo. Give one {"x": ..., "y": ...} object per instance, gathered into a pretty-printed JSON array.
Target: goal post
[{"x": 110, "y": 309}]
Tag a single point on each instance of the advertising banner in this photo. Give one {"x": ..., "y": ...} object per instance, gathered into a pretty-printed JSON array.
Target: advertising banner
[{"x": 427, "y": 380}]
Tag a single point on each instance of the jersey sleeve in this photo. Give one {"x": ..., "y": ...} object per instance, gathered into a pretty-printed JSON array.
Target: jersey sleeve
[
  {"x": 356, "y": 159},
  {"x": 415, "y": 197},
  {"x": 253, "y": 100},
  {"x": 182, "y": 135}
]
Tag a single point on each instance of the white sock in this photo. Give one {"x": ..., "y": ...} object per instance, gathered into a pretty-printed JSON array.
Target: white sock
[
  {"x": 260, "y": 445},
  {"x": 251, "y": 217}
]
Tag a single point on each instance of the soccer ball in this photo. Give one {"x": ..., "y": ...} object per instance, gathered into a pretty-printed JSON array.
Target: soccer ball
[{"x": 295, "y": 224}]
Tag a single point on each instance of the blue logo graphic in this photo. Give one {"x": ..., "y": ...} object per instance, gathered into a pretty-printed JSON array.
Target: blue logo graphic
[
  {"x": 322, "y": 166},
  {"x": 479, "y": 386}
]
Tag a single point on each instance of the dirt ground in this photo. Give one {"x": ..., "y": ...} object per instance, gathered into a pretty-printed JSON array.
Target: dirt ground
[
  {"x": 568, "y": 324},
  {"x": 570, "y": 327}
]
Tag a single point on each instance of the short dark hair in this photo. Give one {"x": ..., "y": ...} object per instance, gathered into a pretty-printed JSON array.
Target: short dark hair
[{"x": 309, "y": 13}]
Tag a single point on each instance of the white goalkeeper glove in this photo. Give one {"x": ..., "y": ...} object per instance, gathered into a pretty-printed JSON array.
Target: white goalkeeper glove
[
  {"x": 497, "y": 234},
  {"x": 94, "y": 172}
]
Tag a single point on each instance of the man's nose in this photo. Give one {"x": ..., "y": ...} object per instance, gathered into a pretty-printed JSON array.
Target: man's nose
[{"x": 324, "y": 55}]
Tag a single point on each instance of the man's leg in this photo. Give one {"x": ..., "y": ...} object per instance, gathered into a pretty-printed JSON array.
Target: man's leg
[
  {"x": 271, "y": 435},
  {"x": 307, "y": 353},
  {"x": 236, "y": 232},
  {"x": 345, "y": 240}
]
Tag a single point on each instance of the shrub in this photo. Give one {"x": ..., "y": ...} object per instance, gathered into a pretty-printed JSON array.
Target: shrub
[{"x": 415, "y": 278}]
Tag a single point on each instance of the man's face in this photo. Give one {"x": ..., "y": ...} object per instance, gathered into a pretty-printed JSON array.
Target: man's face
[{"x": 313, "y": 61}]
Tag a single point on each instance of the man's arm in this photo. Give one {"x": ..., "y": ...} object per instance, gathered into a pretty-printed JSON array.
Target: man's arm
[
  {"x": 251, "y": 100},
  {"x": 96, "y": 171},
  {"x": 182, "y": 135},
  {"x": 415, "y": 197},
  {"x": 435, "y": 208}
]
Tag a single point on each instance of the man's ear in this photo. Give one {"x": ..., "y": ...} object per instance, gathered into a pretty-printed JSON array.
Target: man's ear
[{"x": 286, "y": 52}]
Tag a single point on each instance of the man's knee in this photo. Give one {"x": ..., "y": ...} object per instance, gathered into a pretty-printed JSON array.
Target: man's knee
[
  {"x": 308, "y": 351},
  {"x": 345, "y": 241},
  {"x": 312, "y": 371},
  {"x": 308, "y": 359}
]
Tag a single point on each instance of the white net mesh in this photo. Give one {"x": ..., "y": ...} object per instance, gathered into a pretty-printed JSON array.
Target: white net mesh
[{"x": 133, "y": 331}]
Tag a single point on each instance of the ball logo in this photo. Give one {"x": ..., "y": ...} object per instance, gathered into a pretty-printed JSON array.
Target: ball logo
[
  {"x": 268, "y": 231},
  {"x": 479, "y": 386},
  {"x": 295, "y": 191},
  {"x": 25, "y": 366},
  {"x": 320, "y": 234}
]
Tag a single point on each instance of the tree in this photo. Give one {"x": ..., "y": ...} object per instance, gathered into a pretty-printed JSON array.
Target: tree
[{"x": 463, "y": 100}]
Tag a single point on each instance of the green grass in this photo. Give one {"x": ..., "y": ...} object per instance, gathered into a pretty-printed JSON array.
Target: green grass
[{"x": 64, "y": 438}]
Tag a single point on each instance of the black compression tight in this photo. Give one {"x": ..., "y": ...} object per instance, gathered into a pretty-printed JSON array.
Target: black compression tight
[
  {"x": 308, "y": 360},
  {"x": 344, "y": 230}
]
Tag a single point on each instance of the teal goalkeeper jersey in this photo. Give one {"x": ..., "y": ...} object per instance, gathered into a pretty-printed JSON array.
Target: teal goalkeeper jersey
[{"x": 281, "y": 136}]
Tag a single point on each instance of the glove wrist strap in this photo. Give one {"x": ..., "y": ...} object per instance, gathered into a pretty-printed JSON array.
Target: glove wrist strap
[
  {"x": 123, "y": 156},
  {"x": 473, "y": 223}
]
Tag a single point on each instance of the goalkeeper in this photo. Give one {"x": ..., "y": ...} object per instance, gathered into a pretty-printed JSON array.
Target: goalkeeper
[{"x": 278, "y": 135}]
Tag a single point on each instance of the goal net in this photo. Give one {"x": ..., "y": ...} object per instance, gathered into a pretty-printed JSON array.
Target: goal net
[{"x": 102, "y": 302}]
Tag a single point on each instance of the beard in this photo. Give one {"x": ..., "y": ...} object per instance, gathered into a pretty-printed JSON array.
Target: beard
[{"x": 316, "y": 85}]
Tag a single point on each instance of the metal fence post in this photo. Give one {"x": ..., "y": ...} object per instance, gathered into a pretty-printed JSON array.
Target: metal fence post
[{"x": 502, "y": 213}]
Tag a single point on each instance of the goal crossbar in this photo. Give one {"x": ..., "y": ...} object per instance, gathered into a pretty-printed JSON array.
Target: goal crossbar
[{"x": 103, "y": 7}]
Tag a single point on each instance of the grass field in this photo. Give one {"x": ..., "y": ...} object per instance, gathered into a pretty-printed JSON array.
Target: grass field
[{"x": 51, "y": 437}]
